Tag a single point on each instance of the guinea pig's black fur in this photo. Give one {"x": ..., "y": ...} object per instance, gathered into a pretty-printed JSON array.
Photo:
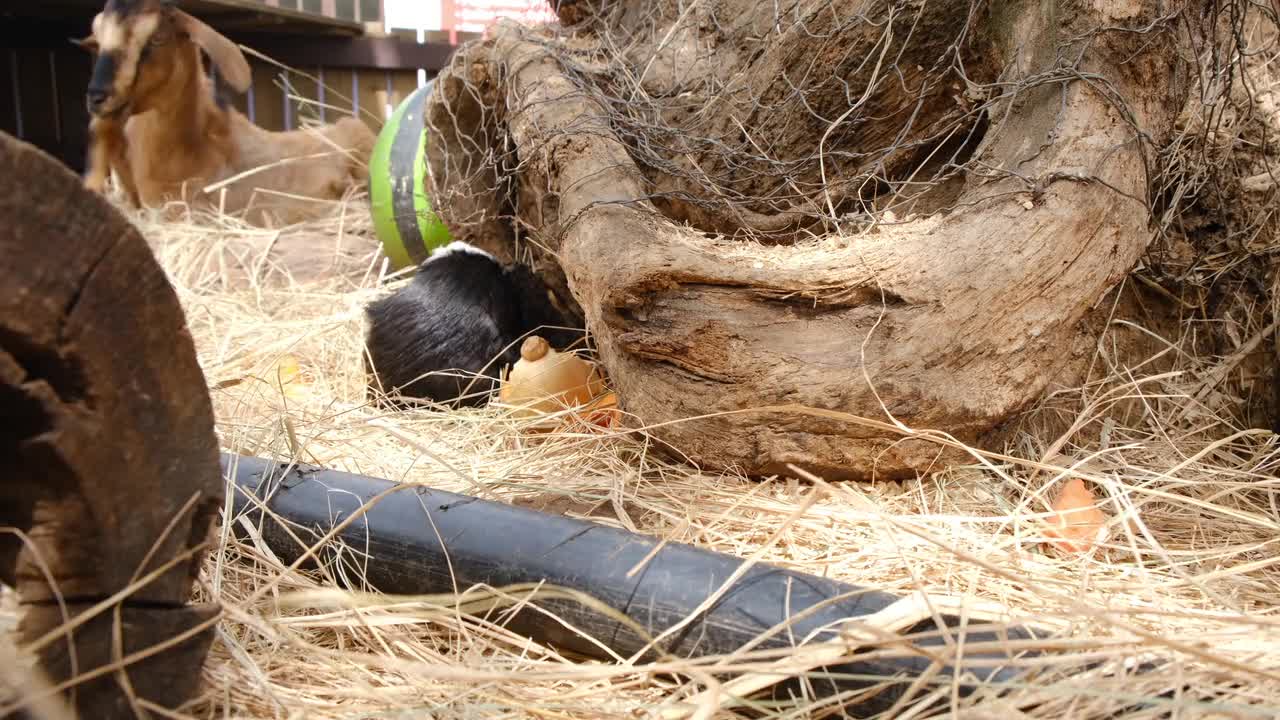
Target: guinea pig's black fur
[{"x": 447, "y": 334}]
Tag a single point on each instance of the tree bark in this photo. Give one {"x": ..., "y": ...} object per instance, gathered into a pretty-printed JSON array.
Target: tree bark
[{"x": 951, "y": 320}]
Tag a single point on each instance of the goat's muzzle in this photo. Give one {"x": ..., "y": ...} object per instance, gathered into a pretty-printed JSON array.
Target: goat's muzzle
[
  {"x": 96, "y": 99},
  {"x": 101, "y": 89}
]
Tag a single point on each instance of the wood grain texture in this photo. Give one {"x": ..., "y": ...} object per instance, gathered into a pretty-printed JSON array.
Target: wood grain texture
[
  {"x": 106, "y": 430},
  {"x": 950, "y": 321}
]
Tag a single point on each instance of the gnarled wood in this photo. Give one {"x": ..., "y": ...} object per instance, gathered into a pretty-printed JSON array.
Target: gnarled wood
[
  {"x": 110, "y": 463},
  {"x": 951, "y": 321}
]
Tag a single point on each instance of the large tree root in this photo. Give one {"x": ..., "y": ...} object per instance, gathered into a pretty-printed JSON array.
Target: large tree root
[
  {"x": 952, "y": 321},
  {"x": 110, "y": 478}
]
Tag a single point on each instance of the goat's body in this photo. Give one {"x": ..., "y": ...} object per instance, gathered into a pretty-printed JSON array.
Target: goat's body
[
  {"x": 174, "y": 140},
  {"x": 285, "y": 174}
]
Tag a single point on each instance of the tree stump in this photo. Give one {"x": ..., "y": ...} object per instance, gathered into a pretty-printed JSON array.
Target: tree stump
[
  {"x": 643, "y": 158},
  {"x": 110, "y": 462}
]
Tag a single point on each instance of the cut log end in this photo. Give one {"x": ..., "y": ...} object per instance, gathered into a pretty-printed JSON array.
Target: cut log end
[{"x": 106, "y": 435}]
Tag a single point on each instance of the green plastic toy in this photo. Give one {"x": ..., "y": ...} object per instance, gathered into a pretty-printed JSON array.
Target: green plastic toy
[{"x": 402, "y": 216}]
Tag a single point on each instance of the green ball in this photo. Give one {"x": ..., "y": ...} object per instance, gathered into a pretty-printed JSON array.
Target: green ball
[{"x": 402, "y": 215}]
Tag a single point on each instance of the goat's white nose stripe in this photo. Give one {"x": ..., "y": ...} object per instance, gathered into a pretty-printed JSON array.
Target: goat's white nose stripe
[{"x": 109, "y": 32}]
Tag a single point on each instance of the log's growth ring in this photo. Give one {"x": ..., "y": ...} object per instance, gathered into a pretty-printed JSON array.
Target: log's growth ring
[{"x": 108, "y": 460}]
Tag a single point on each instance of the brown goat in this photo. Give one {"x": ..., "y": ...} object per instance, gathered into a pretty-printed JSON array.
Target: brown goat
[{"x": 157, "y": 124}]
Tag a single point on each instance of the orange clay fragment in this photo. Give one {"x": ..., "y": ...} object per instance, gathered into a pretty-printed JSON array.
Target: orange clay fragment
[
  {"x": 544, "y": 382},
  {"x": 291, "y": 379},
  {"x": 1077, "y": 523},
  {"x": 603, "y": 413}
]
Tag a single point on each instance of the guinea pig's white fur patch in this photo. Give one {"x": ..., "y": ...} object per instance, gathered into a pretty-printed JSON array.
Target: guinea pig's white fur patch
[{"x": 457, "y": 246}]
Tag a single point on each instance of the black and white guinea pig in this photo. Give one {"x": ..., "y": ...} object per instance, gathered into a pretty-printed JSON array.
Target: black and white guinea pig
[{"x": 447, "y": 334}]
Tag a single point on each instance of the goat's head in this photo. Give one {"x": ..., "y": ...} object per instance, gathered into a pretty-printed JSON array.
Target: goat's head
[{"x": 138, "y": 44}]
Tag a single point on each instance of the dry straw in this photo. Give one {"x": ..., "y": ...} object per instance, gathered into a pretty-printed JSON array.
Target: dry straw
[{"x": 1189, "y": 577}]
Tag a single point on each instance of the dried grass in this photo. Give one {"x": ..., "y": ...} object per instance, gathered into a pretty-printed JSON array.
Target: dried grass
[{"x": 1190, "y": 577}]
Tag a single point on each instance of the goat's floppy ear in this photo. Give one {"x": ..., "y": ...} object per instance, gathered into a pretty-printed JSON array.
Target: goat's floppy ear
[
  {"x": 89, "y": 43},
  {"x": 230, "y": 62}
]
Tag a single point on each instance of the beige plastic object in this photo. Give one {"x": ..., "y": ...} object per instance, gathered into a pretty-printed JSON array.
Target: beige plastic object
[{"x": 545, "y": 381}]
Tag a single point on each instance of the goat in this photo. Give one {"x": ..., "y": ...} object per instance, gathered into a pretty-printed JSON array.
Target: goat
[
  {"x": 448, "y": 333},
  {"x": 157, "y": 124}
]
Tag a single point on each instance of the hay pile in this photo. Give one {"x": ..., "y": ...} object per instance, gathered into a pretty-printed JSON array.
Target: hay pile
[{"x": 1189, "y": 577}]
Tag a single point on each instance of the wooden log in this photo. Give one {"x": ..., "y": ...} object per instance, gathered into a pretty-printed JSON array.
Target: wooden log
[
  {"x": 106, "y": 440},
  {"x": 854, "y": 356}
]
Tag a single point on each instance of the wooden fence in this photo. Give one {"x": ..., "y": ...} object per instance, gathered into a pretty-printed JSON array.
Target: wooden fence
[
  {"x": 283, "y": 99},
  {"x": 358, "y": 10},
  {"x": 43, "y": 77}
]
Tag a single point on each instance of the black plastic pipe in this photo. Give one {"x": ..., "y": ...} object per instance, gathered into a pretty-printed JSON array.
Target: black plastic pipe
[{"x": 400, "y": 542}]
